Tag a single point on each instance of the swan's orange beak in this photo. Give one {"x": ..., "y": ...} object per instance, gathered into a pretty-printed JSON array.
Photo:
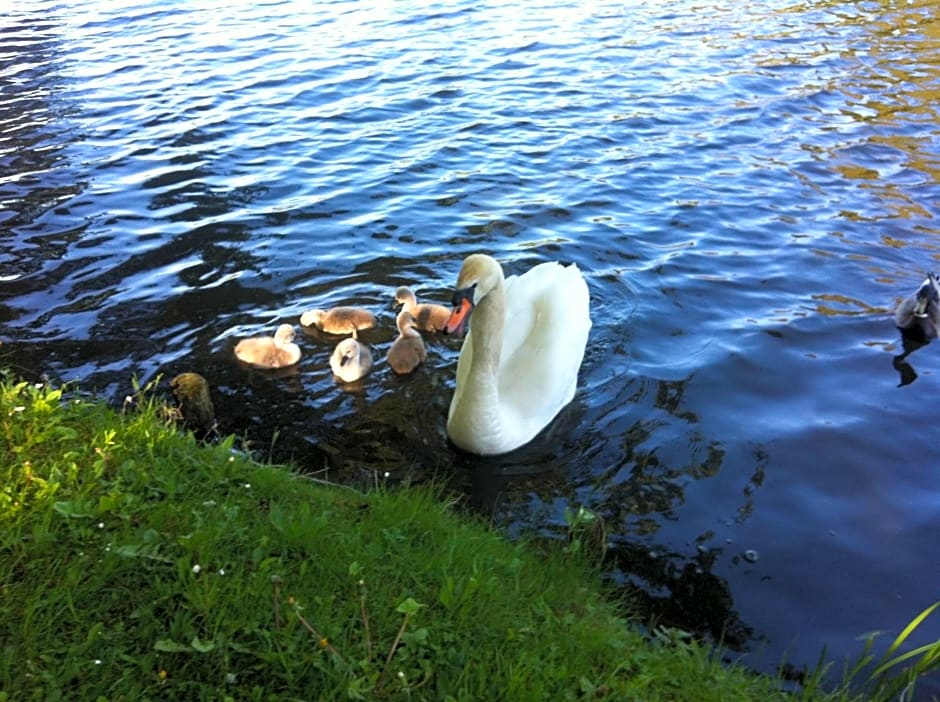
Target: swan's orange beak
[{"x": 463, "y": 305}]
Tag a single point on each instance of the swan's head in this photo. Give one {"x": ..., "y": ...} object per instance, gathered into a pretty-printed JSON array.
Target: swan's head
[
  {"x": 404, "y": 295},
  {"x": 928, "y": 294},
  {"x": 479, "y": 275},
  {"x": 284, "y": 334},
  {"x": 312, "y": 318}
]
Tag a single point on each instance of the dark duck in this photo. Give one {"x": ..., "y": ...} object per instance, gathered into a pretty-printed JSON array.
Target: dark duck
[{"x": 918, "y": 316}]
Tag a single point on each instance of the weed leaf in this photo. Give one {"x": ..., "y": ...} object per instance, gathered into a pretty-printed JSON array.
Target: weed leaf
[
  {"x": 171, "y": 646},
  {"x": 202, "y": 646},
  {"x": 74, "y": 508}
]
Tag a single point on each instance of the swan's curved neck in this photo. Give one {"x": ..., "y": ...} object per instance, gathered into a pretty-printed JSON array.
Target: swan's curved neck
[{"x": 488, "y": 319}]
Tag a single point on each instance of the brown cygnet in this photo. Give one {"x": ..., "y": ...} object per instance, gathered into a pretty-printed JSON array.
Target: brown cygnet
[
  {"x": 339, "y": 320},
  {"x": 428, "y": 316},
  {"x": 407, "y": 352},
  {"x": 278, "y": 351}
]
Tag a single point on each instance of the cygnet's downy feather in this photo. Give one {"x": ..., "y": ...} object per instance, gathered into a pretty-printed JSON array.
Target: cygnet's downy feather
[
  {"x": 339, "y": 320},
  {"x": 407, "y": 352},
  {"x": 278, "y": 351},
  {"x": 351, "y": 360},
  {"x": 428, "y": 316}
]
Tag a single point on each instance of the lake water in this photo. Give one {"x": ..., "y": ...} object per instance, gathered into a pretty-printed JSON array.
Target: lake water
[{"x": 749, "y": 189}]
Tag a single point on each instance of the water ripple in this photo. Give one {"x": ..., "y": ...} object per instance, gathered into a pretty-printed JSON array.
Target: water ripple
[{"x": 748, "y": 188}]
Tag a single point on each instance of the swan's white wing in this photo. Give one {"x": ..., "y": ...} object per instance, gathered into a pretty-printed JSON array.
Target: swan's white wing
[{"x": 546, "y": 331}]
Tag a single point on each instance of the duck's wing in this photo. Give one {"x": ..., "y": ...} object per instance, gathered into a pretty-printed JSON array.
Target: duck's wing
[{"x": 904, "y": 314}]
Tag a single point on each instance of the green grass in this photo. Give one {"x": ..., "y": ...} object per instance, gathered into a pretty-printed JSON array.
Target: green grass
[{"x": 136, "y": 564}]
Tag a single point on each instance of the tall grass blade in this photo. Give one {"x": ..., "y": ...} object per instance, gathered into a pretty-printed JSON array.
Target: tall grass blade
[
  {"x": 902, "y": 637},
  {"x": 932, "y": 658}
]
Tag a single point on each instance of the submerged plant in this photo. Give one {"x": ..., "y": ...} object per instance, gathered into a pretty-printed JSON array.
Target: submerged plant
[{"x": 586, "y": 532}]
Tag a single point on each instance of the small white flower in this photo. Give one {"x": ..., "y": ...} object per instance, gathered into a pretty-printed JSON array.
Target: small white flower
[
  {"x": 197, "y": 568},
  {"x": 231, "y": 678},
  {"x": 401, "y": 675},
  {"x": 101, "y": 525},
  {"x": 387, "y": 474},
  {"x": 221, "y": 571},
  {"x": 231, "y": 459},
  {"x": 97, "y": 661},
  {"x": 19, "y": 408},
  {"x": 128, "y": 400},
  {"x": 38, "y": 386},
  {"x": 247, "y": 485}
]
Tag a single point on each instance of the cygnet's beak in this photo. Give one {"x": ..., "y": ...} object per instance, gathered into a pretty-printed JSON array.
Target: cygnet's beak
[{"x": 463, "y": 305}]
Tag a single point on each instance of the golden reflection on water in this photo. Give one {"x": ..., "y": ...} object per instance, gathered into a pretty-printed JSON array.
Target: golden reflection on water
[
  {"x": 899, "y": 148},
  {"x": 850, "y": 306}
]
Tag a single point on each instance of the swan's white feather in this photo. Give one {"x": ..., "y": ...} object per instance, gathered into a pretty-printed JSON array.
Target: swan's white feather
[{"x": 544, "y": 335}]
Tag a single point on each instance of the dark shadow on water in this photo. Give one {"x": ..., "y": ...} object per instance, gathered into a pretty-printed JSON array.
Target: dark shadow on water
[
  {"x": 679, "y": 590},
  {"x": 911, "y": 341},
  {"x": 527, "y": 491}
]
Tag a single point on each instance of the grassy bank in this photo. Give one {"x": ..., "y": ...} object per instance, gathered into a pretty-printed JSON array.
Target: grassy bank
[{"x": 136, "y": 564}]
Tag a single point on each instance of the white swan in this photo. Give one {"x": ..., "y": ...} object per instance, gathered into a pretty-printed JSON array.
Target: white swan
[
  {"x": 919, "y": 314},
  {"x": 519, "y": 363},
  {"x": 351, "y": 360},
  {"x": 407, "y": 352},
  {"x": 278, "y": 351},
  {"x": 430, "y": 317}
]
